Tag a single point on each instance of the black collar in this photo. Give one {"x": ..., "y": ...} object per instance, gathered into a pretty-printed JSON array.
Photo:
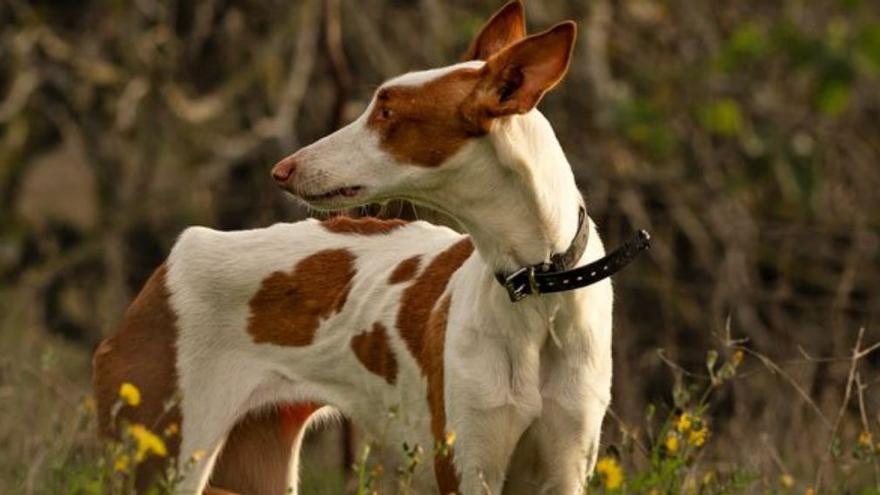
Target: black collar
[{"x": 559, "y": 275}]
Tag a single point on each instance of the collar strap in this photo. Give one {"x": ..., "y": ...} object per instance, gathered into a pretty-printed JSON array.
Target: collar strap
[
  {"x": 568, "y": 259},
  {"x": 538, "y": 279},
  {"x": 561, "y": 261}
]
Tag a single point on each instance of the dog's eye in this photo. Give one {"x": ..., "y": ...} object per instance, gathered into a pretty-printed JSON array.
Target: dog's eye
[{"x": 385, "y": 113}]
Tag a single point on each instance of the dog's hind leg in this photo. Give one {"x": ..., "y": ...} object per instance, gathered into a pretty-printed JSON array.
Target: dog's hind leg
[
  {"x": 141, "y": 354},
  {"x": 261, "y": 453}
]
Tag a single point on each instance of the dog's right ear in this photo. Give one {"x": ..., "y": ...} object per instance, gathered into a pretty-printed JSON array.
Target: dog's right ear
[
  {"x": 505, "y": 28},
  {"x": 514, "y": 80}
]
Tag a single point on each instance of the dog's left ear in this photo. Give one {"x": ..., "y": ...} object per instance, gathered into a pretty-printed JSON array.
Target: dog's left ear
[
  {"x": 506, "y": 27},
  {"x": 515, "y": 80}
]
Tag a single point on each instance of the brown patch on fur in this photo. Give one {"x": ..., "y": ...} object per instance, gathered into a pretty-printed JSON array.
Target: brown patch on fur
[
  {"x": 257, "y": 455},
  {"x": 420, "y": 298},
  {"x": 424, "y": 125},
  {"x": 294, "y": 416},
  {"x": 288, "y": 308},
  {"x": 422, "y": 324},
  {"x": 142, "y": 352},
  {"x": 432, "y": 357},
  {"x": 374, "y": 351},
  {"x": 361, "y": 226},
  {"x": 405, "y": 270},
  {"x": 217, "y": 491}
]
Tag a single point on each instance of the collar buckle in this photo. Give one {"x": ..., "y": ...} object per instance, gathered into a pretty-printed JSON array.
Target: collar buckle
[
  {"x": 521, "y": 284},
  {"x": 527, "y": 281}
]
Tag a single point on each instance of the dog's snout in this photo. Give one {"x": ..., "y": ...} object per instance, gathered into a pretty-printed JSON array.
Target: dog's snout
[{"x": 283, "y": 170}]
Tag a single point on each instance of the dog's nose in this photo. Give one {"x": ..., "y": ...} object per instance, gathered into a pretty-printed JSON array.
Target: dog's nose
[{"x": 283, "y": 170}]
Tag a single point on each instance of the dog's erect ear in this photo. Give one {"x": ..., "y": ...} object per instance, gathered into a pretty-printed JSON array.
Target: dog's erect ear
[
  {"x": 515, "y": 79},
  {"x": 506, "y": 27}
]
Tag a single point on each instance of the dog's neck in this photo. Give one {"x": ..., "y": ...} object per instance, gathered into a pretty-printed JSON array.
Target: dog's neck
[{"x": 515, "y": 194}]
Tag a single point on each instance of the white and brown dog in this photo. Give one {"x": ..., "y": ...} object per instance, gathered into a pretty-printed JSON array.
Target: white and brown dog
[{"x": 257, "y": 329}]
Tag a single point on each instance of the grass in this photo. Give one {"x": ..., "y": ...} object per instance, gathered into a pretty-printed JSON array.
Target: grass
[{"x": 48, "y": 440}]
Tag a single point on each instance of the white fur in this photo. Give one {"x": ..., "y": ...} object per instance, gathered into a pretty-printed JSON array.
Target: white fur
[
  {"x": 526, "y": 384},
  {"x": 421, "y": 77}
]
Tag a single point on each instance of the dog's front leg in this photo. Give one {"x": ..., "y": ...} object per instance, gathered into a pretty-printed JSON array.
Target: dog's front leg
[
  {"x": 575, "y": 397},
  {"x": 484, "y": 448},
  {"x": 492, "y": 396}
]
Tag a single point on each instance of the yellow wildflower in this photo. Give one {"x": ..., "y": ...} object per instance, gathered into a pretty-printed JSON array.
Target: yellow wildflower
[
  {"x": 130, "y": 394},
  {"x": 611, "y": 472},
  {"x": 89, "y": 404},
  {"x": 865, "y": 439},
  {"x": 708, "y": 478},
  {"x": 450, "y": 438},
  {"x": 147, "y": 442},
  {"x": 738, "y": 358},
  {"x": 786, "y": 480},
  {"x": 684, "y": 422},
  {"x": 671, "y": 443},
  {"x": 171, "y": 430},
  {"x": 198, "y": 455},
  {"x": 121, "y": 464},
  {"x": 698, "y": 437}
]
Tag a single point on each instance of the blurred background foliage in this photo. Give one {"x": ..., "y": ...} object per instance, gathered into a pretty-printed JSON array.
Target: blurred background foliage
[{"x": 744, "y": 135}]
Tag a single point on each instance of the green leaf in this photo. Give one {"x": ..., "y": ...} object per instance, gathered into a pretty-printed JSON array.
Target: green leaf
[
  {"x": 722, "y": 117},
  {"x": 644, "y": 124},
  {"x": 711, "y": 360},
  {"x": 748, "y": 41},
  {"x": 868, "y": 46},
  {"x": 834, "y": 97}
]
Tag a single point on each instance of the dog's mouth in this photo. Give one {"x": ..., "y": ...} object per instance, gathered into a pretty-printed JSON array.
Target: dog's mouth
[{"x": 342, "y": 192}]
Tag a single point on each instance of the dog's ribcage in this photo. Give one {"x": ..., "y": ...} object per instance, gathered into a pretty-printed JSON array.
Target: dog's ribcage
[{"x": 343, "y": 312}]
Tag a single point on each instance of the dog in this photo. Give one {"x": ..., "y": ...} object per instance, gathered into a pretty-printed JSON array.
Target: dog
[{"x": 421, "y": 335}]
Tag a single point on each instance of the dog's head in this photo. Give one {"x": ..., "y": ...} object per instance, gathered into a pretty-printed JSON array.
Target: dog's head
[{"x": 426, "y": 132}]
